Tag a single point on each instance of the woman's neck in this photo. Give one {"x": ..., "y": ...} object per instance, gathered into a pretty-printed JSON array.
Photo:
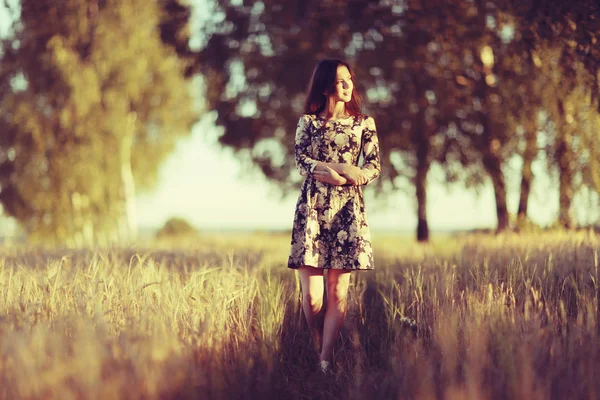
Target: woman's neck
[{"x": 338, "y": 112}]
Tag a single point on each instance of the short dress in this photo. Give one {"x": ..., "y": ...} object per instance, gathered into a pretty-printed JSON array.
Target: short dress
[{"x": 330, "y": 227}]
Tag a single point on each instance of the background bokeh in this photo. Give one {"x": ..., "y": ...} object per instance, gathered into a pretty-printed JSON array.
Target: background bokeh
[{"x": 117, "y": 116}]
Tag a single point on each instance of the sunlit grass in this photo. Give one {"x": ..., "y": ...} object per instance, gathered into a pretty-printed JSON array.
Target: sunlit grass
[{"x": 219, "y": 317}]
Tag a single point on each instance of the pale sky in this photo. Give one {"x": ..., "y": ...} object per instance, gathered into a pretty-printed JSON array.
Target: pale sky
[{"x": 204, "y": 183}]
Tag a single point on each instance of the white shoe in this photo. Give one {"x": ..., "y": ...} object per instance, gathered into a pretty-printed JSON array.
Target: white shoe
[{"x": 325, "y": 367}]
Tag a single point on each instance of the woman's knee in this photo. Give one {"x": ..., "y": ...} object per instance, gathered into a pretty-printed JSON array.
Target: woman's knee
[
  {"x": 338, "y": 295},
  {"x": 313, "y": 299},
  {"x": 337, "y": 290}
]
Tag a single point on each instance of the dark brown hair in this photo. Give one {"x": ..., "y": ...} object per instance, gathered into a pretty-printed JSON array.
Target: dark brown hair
[{"x": 323, "y": 81}]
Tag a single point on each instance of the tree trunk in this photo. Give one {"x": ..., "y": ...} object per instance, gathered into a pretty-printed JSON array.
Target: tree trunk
[
  {"x": 423, "y": 146},
  {"x": 128, "y": 223},
  {"x": 493, "y": 167},
  {"x": 527, "y": 174},
  {"x": 564, "y": 159},
  {"x": 421, "y": 183},
  {"x": 491, "y": 159},
  {"x": 565, "y": 188}
]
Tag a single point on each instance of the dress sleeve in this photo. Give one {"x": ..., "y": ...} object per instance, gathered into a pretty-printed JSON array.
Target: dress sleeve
[
  {"x": 303, "y": 148},
  {"x": 370, "y": 147}
]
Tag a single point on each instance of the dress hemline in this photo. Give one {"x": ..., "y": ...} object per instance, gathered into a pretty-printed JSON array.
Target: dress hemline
[{"x": 325, "y": 268}]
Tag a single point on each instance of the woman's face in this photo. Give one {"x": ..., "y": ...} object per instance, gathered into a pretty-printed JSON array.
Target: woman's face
[{"x": 343, "y": 85}]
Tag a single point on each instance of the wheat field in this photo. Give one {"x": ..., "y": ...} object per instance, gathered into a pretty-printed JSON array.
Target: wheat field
[{"x": 219, "y": 317}]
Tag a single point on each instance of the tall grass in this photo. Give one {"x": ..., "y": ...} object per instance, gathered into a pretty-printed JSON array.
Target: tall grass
[{"x": 476, "y": 317}]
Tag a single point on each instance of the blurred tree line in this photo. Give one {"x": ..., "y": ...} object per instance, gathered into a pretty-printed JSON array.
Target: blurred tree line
[
  {"x": 91, "y": 102},
  {"x": 94, "y": 95},
  {"x": 467, "y": 84}
]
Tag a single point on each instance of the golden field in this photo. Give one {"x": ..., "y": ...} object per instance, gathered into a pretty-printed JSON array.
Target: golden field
[{"x": 506, "y": 317}]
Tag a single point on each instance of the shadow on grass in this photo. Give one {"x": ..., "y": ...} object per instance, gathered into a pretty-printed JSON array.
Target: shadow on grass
[
  {"x": 373, "y": 359},
  {"x": 369, "y": 357},
  {"x": 177, "y": 260}
]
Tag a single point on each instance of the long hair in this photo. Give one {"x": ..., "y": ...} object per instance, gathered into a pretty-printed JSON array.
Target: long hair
[{"x": 322, "y": 85}]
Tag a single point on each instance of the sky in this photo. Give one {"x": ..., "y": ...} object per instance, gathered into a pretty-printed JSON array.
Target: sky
[
  {"x": 204, "y": 183},
  {"x": 208, "y": 186}
]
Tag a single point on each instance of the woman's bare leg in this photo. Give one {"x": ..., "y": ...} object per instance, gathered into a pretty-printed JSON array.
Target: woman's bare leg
[
  {"x": 337, "y": 299},
  {"x": 311, "y": 280}
]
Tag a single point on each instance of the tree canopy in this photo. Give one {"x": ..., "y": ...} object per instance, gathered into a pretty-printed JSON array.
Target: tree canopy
[
  {"x": 91, "y": 102},
  {"x": 462, "y": 83},
  {"x": 94, "y": 95}
]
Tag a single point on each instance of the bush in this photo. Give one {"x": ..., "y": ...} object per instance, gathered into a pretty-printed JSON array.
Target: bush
[{"x": 175, "y": 227}]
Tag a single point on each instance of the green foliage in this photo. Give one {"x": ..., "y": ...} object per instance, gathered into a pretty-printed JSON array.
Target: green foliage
[
  {"x": 96, "y": 103},
  {"x": 563, "y": 37},
  {"x": 456, "y": 82},
  {"x": 176, "y": 227}
]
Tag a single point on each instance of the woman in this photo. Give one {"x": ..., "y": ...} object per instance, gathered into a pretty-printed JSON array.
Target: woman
[{"x": 330, "y": 229}]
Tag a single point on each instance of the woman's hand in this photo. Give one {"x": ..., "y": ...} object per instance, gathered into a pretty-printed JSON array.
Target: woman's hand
[
  {"x": 354, "y": 175},
  {"x": 323, "y": 173}
]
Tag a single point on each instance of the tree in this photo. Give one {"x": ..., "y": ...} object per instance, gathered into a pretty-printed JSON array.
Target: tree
[
  {"x": 572, "y": 141},
  {"x": 408, "y": 86},
  {"x": 441, "y": 79},
  {"x": 259, "y": 58},
  {"x": 91, "y": 102},
  {"x": 564, "y": 37},
  {"x": 495, "y": 97}
]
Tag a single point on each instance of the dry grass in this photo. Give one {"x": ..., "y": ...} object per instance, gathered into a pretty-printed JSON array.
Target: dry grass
[{"x": 506, "y": 317}]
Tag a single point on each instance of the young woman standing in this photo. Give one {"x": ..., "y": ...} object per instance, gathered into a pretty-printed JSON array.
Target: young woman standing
[{"x": 330, "y": 230}]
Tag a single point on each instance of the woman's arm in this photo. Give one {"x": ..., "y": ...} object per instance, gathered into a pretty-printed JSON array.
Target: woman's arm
[
  {"x": 306, "y": 164},
  {"x": 302, "y": 149},
  {"x": 370, "y": 147},
  {"x": 340, "y": 168},
  {"x": 339, "y": 171},
  {"x": 326, "y": 174},
  {"x": 371, "y": 167}
]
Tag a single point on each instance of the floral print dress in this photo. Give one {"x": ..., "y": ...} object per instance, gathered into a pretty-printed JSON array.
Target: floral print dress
[{"x": 330, "y": 224}]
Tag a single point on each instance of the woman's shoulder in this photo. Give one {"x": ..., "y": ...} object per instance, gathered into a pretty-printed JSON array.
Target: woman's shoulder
[
  {"x": 305, "y": 118},
  {"x": 363, "y": 120},
  {"x": 366, "y": 117},
  {"x": 308, "y": 117},
  {"x": 367, "y": 120}
]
